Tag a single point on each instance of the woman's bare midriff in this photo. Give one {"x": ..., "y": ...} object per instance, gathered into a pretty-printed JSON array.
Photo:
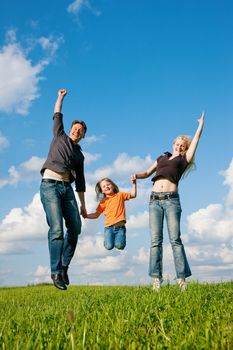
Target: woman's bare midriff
[
  {"x": 58, "y": 176},
  {"x": 164, "y": 185}
]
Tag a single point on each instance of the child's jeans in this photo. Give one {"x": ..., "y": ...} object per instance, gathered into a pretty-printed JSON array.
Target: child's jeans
[{"x": 114, "y": 237}]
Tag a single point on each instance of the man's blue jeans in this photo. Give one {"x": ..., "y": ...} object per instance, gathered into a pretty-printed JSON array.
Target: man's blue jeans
[
  {"x": 114, "y": 237},
  {"x": 171, "y": 210},
  {"x": 59, "y": 202}
]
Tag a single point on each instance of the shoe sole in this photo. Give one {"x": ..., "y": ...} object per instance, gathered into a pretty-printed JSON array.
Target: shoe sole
[{"x": 60, "y": 287}]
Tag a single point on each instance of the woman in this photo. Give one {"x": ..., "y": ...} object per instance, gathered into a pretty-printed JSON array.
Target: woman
[
  {"x": 64, "y": 164},
  {"x": 165, "y": 202}
]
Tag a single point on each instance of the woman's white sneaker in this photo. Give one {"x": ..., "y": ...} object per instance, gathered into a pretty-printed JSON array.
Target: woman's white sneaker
[
  {"x": 157, "y": 284},
  {"x": 182, "y": 284}
]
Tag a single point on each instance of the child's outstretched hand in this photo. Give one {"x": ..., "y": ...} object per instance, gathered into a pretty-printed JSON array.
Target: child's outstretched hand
[
  {"x": 133, "y": 179},
  {"x": 133, "y": 192}
]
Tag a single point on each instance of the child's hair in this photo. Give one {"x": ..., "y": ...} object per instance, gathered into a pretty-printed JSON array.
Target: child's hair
[
  {"x": 98, "y": 188},
  {"x": 191, "y": 166}
]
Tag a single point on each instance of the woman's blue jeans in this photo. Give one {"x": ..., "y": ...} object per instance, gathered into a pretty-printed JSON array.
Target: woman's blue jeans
[
  {"x": 114, "y": 237},
  {"x": 171, "y": 210},
  {"x": 59, "y": 202}
]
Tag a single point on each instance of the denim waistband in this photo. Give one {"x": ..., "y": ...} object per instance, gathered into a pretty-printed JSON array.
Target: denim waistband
[
  {"x": 57, "y": 182},
  {"x": 115, "y": 226},
  {"x": 163, "y": 195}
]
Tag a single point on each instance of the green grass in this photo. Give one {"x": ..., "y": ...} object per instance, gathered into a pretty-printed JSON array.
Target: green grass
[{"x": 86, "y": 317}]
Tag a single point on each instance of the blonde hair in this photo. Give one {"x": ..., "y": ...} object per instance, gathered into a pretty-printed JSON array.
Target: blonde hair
[
  {"x": 98, "y": 189},
  {"x": 191, "y": 165}
]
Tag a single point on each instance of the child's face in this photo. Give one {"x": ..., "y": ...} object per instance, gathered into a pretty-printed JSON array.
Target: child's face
[{"x": 107, "y": 187}]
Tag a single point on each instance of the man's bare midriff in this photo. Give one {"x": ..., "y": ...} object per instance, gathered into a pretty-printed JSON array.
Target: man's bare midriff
[
  {"x": 164, "y": 185},
  {"x": 58, "y": 176}
]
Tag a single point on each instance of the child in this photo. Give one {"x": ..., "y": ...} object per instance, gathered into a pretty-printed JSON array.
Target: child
[{"x": 113, "y": 207}]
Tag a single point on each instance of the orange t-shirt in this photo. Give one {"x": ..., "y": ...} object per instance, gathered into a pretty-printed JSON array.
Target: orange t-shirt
[{"x": 113, "y": 208}]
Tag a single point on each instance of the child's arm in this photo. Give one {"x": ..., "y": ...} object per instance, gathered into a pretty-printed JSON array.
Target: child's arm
[
  {"x": 133, "y": 192},
  {"x": 92, "y": 215}
]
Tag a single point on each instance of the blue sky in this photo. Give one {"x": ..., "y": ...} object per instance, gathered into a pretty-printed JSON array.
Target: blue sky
[{"x": 139, "y": 73}]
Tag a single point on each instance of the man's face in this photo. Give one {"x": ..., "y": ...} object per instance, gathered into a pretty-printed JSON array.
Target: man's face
[{"x": 77, "y": 132}]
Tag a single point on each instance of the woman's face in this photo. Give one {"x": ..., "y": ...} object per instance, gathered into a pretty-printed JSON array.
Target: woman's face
[{"x": 179, "y": 146}]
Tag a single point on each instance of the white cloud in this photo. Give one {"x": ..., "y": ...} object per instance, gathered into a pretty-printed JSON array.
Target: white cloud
[
  {"x": 123, "y": 166},
  {"x": 110, "y": 263},
  {"x": 24, "y": 224},
  {"x": 42, "y": 271},
  {"x": 210, "y": 235},
  {"x": 213, "y": 223},
  {"x": 91, "y": 157},
  {"x": 130, "y": 273},
  {"x": 142, "y": 257},
  {"x": 228, "y": 174},
  {"x": 9, "y": 248},
  {"x": 19, "y": 83},
  {"x": 76, "y": 6},
  {"x": 93, "y": 259},
  {"x": 32, "y": 165},
  {"x": 50, "y": 45},
  {"x": 41, "y": 275},
  {"x": 12, "y": 179},
  {"x": 138, "y": 221},
  {"x": 92, "y": 247},
  {"x": 4, "y": 143},
  {"x": 26, "y": 172},
  {"x": 89, "y": 140},
  {"x": 41, "y": 280},
  {"x": 19, "y": 77},
  {"x": 215, "y": 254}
]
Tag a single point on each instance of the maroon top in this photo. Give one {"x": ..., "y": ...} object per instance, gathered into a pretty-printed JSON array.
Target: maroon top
[{"x": 170, "y": 169}]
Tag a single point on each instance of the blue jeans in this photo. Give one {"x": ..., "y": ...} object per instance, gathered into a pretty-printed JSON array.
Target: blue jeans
[
  {"x": 171, "y": 210},
  {"x": 114, "y": 237},
  {"x": 59, "y": 202}
]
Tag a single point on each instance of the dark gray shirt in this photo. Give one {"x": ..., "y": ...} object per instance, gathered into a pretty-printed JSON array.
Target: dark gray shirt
[{"x": 64, "y": 155}]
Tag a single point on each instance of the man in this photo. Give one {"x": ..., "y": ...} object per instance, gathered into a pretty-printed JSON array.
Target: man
[{"x": 64, "y": 164}]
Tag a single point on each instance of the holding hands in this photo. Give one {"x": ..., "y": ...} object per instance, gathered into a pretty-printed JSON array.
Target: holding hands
[{"x": 83, "y": 212}]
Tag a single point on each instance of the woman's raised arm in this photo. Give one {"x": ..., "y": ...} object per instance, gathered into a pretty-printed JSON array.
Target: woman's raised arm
[{"x": 193, "y": 146}]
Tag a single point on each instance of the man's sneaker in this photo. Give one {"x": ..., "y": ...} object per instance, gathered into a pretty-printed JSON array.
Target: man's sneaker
[
  {"x": 157, "y": 283},
  {"x": 182, "y": 284},
  {"x": 58, "y": 281},
  {"x": 64, "y": 275}
]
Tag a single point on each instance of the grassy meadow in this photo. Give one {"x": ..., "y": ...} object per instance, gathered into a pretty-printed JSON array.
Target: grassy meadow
[{"x": 119, "y": 317}]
